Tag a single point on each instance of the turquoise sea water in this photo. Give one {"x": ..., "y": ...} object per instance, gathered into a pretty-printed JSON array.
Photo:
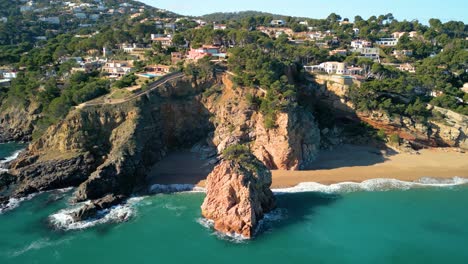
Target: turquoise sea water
[{"x": 424, "y": 225}]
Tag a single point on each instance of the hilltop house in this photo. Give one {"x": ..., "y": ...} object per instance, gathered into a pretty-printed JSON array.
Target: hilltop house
[
  {"x": 370, "y": 53},
  {"x": 334, "y": 67},
  {"x": 407, "y": 67},
  {"x": 359, "y": 44},
  {"x": 278, "y": 22},
  {"x": 166, "y": 40},
  {"x": 117, "y": 69},
  {"x": 219, "y": 26},
  {"x": 388, "y": 42},
  {"x": 402, "y": 53},
  {"x": 205, "y": 50}
]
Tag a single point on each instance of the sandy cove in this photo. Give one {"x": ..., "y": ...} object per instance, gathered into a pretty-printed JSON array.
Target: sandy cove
[{"x": 343, "y": 164}]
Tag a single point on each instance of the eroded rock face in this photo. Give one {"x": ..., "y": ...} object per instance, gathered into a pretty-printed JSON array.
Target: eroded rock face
[
  {"x": 292, "y": 144},
  {"x": 238, "y": 197},
  {"x": 17, "y": 122}
]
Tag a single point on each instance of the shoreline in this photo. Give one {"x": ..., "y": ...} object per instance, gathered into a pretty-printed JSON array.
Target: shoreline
[
  {"x": 356, "y": 164},
  {"x": 442, "y": 164}
]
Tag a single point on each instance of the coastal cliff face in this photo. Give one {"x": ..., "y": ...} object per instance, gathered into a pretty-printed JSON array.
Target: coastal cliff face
[
  {"x": 238, "y": 195},
  {"x": 292, "y": 144},
  {"x": 449, "y": 131},
  {"x": 17, "y": 122},
  {"x": 109, "y": 148}
]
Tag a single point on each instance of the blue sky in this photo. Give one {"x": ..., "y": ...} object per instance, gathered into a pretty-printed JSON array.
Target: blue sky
[{"x": 401, "y": 9}]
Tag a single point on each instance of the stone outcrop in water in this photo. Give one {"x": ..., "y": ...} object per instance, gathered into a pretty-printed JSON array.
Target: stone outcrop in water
[{"x": 238, "y": 195}]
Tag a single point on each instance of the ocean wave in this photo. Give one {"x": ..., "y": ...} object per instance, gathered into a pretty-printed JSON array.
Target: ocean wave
[
  {"x": 9, "y": 159},
  {"x": 231, "y": 237},
  {"x": 63, "y": 219},
  {"x": 372, "y": 185},
  {"x": 15, "y": 202},
  {"x": 175, "y": 188}
]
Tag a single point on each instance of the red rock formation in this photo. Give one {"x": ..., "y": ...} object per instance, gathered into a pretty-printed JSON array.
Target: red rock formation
[{"x": 238, "y": 195}]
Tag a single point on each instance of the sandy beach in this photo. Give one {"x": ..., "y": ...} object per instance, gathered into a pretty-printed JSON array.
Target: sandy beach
[{"x": 343, "y": 164}]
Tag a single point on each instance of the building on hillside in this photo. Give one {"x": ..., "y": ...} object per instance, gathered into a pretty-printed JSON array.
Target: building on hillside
[
  {"x": 338, "y": 52},
  {"x": 9, "y": 75},
  {"x": 204, "y": 51},
  {"x": 219, "y": 26},
  {"x": 278, "y": 22},
  {"x": 359, "y": 44},
  {"x": 370, "y": 53},
  {"x": 334, "y": 67},
  {"x": 166, "y": 40},
  {"x": 402, "y": 53},
  {"x": 50, "y": 20},
  {"x": 407, "y": 67},
  {"x": 356, "y": 31},
  {"x": 398, "y": 35},
  {"x": 117, "y": 69},
  {"x": 176, "y": 57},
  {"x": 388, "y": 42},
  {"x": 465, "y": 88}
]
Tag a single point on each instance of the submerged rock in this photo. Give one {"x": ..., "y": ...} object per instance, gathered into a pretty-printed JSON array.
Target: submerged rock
[{"x": 238, "y": 196}]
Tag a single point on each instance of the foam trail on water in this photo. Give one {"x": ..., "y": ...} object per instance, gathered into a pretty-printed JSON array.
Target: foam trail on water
[
  {"x": 173, "y": 188},
  {"x": 372, "y": 185}
]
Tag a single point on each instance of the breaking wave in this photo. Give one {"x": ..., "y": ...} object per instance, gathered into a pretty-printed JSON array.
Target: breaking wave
[
  {"x": 372, "y": 185},
  {"x": 41, "y": 243},
  {"x": 231, "y": 237},
  {"x": 63, "y": 219},
  {"x": 15, "y": 202},
  {"x": 9, "y": 159},
  {"x": 174, "y": 188}
]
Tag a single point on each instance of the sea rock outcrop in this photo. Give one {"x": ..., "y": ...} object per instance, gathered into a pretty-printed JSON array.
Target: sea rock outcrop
[
  {"x": 91, "y": 209},
  {"x": 238, "y": 196}
]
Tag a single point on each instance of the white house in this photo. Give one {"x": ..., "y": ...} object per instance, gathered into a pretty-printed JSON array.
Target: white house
[
  {"x": 356, "y": 31},
  {"x": 359, "y": 44},
  {"x": 219, "y": 26},
  {"x": 370, "y": 53},
  {"x": 9, "y": 75},
  {"x": 278, "y": 22},
  {"x": 389, "y": 42}
]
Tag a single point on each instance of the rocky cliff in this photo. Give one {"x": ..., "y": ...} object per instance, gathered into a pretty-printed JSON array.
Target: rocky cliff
[
  {"x": 17, "y": 121},
  {"x": 291, "y": 144},
  {"x": 449, "y": 130},
  {"x": 109, "y": 148}
]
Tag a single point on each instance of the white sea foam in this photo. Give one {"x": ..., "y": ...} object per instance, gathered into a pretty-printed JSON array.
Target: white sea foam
[
  {"x": 15, "y": 202},
  {"x": 372, "y": 185},
  {"x": 8, "y": 159},
  {"x": 232, "y": 237},
  {"x": 174, "y": 188},
  {"x": 41, "y": 243},
  {"x": 63, "y": 219}
]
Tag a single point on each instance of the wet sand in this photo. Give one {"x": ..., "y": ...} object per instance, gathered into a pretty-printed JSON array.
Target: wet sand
[{"x": 344, "y": 164}]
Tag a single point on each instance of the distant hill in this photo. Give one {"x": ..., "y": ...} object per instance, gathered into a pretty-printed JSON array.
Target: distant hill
[{"x": 220, "y": 16}]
